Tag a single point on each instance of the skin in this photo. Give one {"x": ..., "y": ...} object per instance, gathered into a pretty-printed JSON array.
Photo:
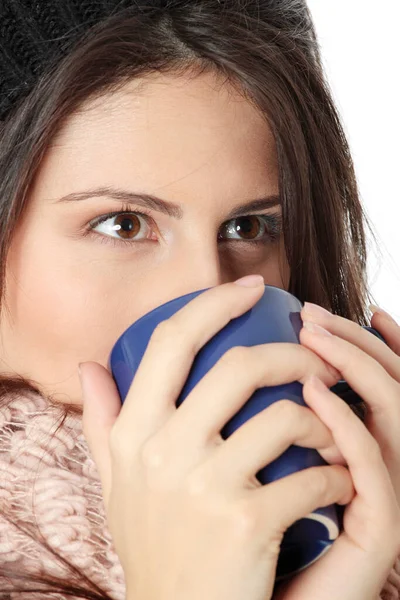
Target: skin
[{"x": 193, "y": 142}]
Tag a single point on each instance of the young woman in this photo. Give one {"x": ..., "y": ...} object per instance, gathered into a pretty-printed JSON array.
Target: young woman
[{"x": 149, "y": 149}]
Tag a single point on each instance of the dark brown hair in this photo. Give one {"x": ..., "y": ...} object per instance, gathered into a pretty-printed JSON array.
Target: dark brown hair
[{"x": 269, "y": 52}]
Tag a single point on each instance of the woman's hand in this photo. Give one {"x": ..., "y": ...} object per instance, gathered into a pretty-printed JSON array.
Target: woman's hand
[
  {"x": 354, "y": 568},
  {"x": 186, "y": 513}
]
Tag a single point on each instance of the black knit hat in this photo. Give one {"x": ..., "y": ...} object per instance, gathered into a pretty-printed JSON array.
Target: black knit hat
[{"x": 37, "y": 33}]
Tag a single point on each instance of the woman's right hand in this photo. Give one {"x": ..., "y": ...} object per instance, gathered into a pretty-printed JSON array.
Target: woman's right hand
[{"x": 187, "y": 515}]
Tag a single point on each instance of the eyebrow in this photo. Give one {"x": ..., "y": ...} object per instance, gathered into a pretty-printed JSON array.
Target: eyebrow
[{"x": 163, "y": 206}]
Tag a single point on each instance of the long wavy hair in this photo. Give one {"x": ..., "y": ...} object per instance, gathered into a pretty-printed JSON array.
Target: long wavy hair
[{"x": 268, "y": 50}]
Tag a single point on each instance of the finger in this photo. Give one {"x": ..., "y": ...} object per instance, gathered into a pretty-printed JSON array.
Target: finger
[
  {"x": 101, "y": 407},
  {"x": 312, "y": 488},
  {"x": 390, "y": 331},
  {"x": 356, "y": 335},
  {"x": 378, "y": 503},
  {"x": 228, "y": 385},
  {"x": 377, "y": 310},
  {"x": 389, "y": 591},
  {"x": 394, "y": 576},
  {"x": 380, "y": 392},
  {"x": 170, "y": 354},
  {"x": 263, "y": 438},
  {"x": 365, "y": 375}
]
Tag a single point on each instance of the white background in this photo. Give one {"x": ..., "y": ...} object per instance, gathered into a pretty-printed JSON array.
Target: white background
[{"x": 360, "y": 46}]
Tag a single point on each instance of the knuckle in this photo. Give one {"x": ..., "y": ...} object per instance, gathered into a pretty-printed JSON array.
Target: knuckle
[
  {"x": 318, "y": 480},
  {"x": 350, "y": 363},
  {"x": 235, "y": 356},
  {"x": 151, "y": 454},
  {"x": 305, "y": 361},
  {"x": 245, "y": 519},
  {"x": 165, "y": 331},
  {"x": 287, "y": 411}
]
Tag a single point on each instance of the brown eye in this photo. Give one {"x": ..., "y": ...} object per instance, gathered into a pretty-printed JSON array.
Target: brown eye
[
  {"x": 127, "y": 226},
  {"x": 251, "y": 227}
]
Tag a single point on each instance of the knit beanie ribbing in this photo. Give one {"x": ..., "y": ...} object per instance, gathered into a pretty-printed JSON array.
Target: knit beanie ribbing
[{"x": 37, "y": 34}]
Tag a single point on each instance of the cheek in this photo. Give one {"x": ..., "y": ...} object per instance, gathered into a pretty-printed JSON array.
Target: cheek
[
  {"x": 63, "y": 304},
  {"x": 44, "y": 293}
]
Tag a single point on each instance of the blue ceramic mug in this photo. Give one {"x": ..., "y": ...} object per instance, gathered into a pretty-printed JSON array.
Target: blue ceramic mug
[{"x": 275, "y": 318}]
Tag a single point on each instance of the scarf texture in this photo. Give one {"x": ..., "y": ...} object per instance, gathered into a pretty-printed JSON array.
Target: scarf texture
[{"x": 49, "y": 481}]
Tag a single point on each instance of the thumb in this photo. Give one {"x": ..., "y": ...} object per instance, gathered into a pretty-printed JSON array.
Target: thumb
[{"x": 101, "y": 407}]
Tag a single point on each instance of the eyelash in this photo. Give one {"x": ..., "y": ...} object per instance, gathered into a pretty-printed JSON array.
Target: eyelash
[{"x": 272, "y": 221}]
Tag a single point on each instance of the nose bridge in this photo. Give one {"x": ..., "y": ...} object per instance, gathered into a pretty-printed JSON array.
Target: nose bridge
[{"x": 198, "y": 267}]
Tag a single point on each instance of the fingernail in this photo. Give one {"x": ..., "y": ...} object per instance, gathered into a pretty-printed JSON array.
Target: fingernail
[
  {"x": 375, "y": 309},
  {"x": 315, "y": 310},
  {"x": 250, "y": 281},
  {"x": 314, "y": 328}
]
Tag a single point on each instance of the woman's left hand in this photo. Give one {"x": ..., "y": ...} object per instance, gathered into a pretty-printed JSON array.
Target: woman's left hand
[{"x": 372, "y": 369}]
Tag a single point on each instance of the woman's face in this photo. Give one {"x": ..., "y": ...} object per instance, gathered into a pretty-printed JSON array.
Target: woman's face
[{"x": 196, "y": 144}]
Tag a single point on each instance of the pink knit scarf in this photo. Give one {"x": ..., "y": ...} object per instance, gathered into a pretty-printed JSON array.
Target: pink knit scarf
[{"x": 55, "y": 480}]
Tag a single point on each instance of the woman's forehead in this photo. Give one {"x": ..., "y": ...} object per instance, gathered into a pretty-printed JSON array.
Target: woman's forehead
[
  {"x": 179, "y": 137},
  {"x": 165, "y": 106}
]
